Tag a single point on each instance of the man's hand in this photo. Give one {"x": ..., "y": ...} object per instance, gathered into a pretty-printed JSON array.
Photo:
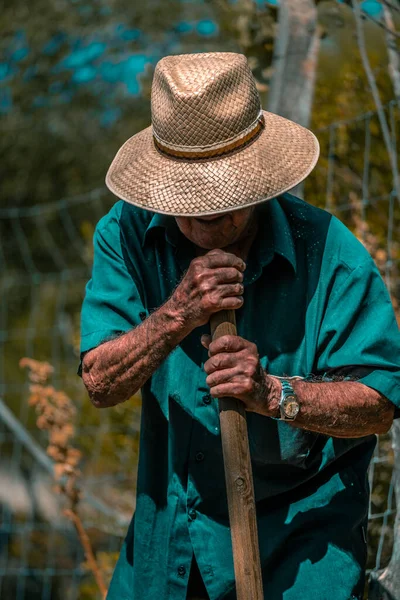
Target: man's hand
[
  {"x": 347, "y": 409},
  {"x": 213, "y": 282},
  {"x": 234, "y": 369}
]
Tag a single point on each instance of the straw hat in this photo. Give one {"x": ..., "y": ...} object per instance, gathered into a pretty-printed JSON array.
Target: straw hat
[{"x": 211, "y": 148}]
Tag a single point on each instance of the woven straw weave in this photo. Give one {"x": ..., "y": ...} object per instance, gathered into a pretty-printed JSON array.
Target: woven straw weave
[{"x": 209, "y": 103}]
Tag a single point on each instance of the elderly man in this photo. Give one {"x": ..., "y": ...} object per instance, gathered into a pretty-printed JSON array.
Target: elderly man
[{"x": 205, "y": 223}]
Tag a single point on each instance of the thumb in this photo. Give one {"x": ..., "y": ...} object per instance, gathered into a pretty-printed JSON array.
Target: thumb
[{"x": 206, "y": 340}]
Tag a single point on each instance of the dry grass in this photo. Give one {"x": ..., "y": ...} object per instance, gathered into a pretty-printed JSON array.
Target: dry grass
[{"x": 55, "y": 414}]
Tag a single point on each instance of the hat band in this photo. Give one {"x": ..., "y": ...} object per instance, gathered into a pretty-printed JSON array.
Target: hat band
[{"x": 209, "y": 153}]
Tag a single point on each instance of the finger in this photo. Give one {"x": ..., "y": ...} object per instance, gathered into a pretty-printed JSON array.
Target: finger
[
  {"x": 219, "y": 377},
  {"x": 232, "y": 289},
  {"x": 227, "y": 275},
  {"x": 231, "y": 303},
  {"x": 222, "y": 361},
  {"x": 219, "y": 258},
  {"x": 223, "y": 390},
  {"x": 227, "y": 343},
  {"x": 206, "y": 340}
]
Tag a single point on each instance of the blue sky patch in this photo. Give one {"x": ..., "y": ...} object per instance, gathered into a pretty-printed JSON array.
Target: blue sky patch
[
  {"x": 84, "y": 74},
  {"x": 184, "y": 27},
  {"x": 82, "y": 55},
  {"x": 20, "y": 54},
  {"x": 111, "y": 72},
  {"x": 371, "y": 7},
  {"x": 130, "y": 35},
  {"x": 207, "y": 27}
]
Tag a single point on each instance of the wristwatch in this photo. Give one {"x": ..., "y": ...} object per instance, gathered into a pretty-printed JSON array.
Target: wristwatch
[{"x": 288, "y": 405}]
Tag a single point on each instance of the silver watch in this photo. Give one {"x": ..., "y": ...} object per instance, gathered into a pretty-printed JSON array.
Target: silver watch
[{"x": 289, "y": 404}]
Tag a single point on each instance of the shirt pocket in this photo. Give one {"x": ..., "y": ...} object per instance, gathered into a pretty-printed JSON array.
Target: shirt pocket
[{"x": 278, "y": 442}]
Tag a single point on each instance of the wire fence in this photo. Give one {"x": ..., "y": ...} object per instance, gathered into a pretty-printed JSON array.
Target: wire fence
[{"x": 46, "y": 251}]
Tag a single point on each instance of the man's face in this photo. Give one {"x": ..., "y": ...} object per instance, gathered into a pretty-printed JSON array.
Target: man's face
[{"x": 217, "y": 231}]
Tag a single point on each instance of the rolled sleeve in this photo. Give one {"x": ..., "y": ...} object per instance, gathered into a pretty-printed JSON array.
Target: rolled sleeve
[
  {"x": 112, "y": 304},
  {"x": 359, "y": 328}
]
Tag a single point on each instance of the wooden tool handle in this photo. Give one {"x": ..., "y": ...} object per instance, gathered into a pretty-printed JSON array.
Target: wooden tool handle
[{"x": 239, "y": 481}]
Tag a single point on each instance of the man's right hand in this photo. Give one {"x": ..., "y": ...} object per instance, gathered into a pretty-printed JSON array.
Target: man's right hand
[{"x": 213, "y": 282}]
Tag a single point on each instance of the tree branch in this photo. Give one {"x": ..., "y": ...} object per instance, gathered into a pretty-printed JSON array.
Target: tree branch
[{"x": 375, "y": 93}]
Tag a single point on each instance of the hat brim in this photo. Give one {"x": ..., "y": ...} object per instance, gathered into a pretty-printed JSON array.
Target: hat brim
[{"x": 280, "y": 157}]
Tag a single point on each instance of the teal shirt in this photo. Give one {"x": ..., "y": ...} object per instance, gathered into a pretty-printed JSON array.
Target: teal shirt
[{"x": 314, "y": 304}]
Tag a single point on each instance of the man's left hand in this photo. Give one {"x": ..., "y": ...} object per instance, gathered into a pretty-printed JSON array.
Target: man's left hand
[{"x": 234, "y": 370}]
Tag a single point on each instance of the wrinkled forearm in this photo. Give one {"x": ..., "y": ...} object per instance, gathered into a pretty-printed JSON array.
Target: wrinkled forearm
[
  {"x": 346, "y": 409},
  {"x": 117, "y": 369}
]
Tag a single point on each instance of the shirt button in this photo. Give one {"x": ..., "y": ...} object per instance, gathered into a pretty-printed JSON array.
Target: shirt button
[
  {"x": 199, "y": 457},
  {"x": 207, "y": 398},
  {"x": 192, "y": 514},
  {"x": 181, "y": 571}
]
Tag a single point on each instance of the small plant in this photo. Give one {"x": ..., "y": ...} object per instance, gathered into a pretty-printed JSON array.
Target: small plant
[{"x": 56, "y": 412}]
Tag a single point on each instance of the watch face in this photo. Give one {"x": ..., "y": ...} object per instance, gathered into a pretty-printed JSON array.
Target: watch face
[{"x": 291, "y": 407}]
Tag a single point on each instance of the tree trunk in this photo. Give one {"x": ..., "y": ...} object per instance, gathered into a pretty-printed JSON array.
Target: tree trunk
[
  {"x": 295, "y": 63},
  {"x": 393, "y": 53},
  {"x": 375, "y": 94}
]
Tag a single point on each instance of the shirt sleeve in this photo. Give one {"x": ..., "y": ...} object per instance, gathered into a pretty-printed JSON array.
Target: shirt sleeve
[
  {"x": 359, "y": 333},
  {"x": 112, "y": 303}
]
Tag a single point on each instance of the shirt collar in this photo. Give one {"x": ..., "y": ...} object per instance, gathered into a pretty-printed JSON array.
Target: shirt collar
[
  {"x": 282, "y": 233},
  {"x": 275, "y": 236},
  {"x": 159, "y": 220}
]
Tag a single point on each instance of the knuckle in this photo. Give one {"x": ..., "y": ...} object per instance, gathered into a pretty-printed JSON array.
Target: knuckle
[
  {"x": 249, "y": 370},
  {"x": 212, "y": 301},
  {"x": 203, "y": 285},
  {"x": 196, "y": 263},
  {"x": 199, "y": 273},
  {"x": 216, "y": 362},
  {"x": 231, "y": 274},
  {"x": 196, "y": 278},
  {"x": 248, "y": 385}
]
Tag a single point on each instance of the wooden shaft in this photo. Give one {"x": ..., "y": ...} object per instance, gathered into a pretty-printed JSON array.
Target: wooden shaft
[{"x": 239, "y": 481}]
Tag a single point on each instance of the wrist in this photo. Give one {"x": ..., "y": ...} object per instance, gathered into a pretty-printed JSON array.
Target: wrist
[
  {"x": 177, "y": 314},
  {"x": 274, "y": 390}
]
